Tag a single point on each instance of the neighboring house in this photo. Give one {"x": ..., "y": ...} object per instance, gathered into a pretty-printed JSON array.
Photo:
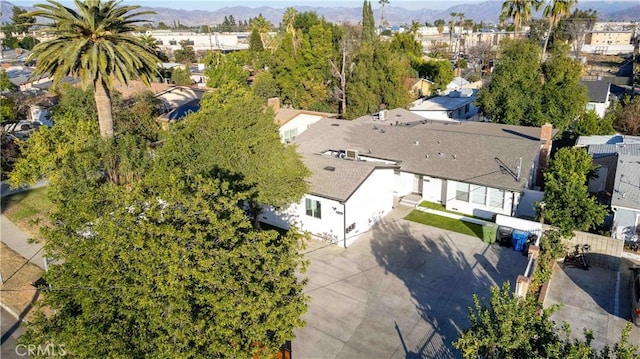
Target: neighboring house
[
  {"x": 618, "y": 179},
  {"x": 605, "y": 150},
  {"x": 457, "y": 83},
  {"x": 599, "y": 92},
  {"x": 625, "y": 199},
  {"x": 360, "y": 166},
  {"x": 177, "y": 102},
  {"x": 293, "y": 122},
  {"x": 457, "y": 105},
  {"x": 419, "y": 87}
]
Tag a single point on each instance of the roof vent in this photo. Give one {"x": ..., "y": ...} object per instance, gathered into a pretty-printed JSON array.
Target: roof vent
[
  {"x": 335, "y": 124},
  {"x": 455, "y": 157},
  {"x": 440, "y": 154},
  {"x": 351, "y": 154},
  {"x": 417, "y": 143},
  {"x": 330, "y": 168}
]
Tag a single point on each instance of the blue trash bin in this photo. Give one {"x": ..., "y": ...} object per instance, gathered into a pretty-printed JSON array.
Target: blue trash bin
[{"x": 519, "y": 239}]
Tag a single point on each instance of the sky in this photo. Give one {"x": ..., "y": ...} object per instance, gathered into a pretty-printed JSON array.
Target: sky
[{"x": 216, "y": 4}]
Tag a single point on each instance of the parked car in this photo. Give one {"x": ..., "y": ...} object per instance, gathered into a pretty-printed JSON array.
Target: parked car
[{"x": 634, "y": 286}]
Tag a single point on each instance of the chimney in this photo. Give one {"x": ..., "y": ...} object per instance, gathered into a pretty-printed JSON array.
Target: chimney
[
  {"x": 546, "y": 132},
  {"x": 274, "y": 102}
]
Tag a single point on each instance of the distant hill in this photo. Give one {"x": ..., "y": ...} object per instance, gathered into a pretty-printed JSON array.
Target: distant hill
[{"x": 487, "y": 11}]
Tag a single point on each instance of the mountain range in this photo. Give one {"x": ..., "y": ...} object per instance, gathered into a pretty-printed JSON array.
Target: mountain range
[{"x": 487, "y": 11}]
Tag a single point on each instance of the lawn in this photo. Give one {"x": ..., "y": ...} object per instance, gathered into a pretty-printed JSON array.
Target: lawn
[
  {"x": 28, "y": 210},
  {"x": 442, "y": 208},
  {"x": 449, "y": 224}
]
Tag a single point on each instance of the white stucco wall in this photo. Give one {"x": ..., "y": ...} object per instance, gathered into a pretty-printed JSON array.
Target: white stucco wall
[
  {"x": 474, "y": 209},
  {"x": 403, "y": 183},
  {"x": 370, "y": 203},
  {"x": 300, "y": 122}
]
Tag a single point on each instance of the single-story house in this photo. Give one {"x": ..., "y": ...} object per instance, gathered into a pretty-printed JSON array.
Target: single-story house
[
  {"x": 457, "y": 105},
  {"x": 293, "y": 122},
  {"x": 625, "y": 199},
  {"x": 360, "y": 166},
  {"x": 598, "y": 92}
]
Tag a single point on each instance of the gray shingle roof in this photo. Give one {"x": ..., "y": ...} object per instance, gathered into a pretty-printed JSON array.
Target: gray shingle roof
[
  {"x": 464, "y": 151},
  {"x": 604, "y": 150},
  {"x": 597, "y": 90},
  {"x": 341, "y": 182},
  {"x": 626, "y": 189}
]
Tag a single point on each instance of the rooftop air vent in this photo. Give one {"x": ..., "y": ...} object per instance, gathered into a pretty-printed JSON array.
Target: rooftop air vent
[
  {"x": 352, "y": 155},
  {"x": 330, "y": 168},
  {"x": 335, "y": 124}
]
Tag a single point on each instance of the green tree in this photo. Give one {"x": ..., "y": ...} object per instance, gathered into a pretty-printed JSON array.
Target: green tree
[
  {"x": 226, "y": 69},
  {"x": 568, "y": 204},
  {"x": 163, "y": 262},
  {"x": 163, "y": 26},
  {"x": 95, "y": 44},
  {"x": 263, "y": 26},
  {"x": 28, "y": 42},
  {"x": 181, "y": 77},
  {"x": 511, "y": 327},
  {"x": 185, "y": 54},
  {"x": 265, "y": 86},
  {"x": 368, "y": 23},
  {"x": 440, "y": 25},
  {"x": 255, "y": 42},
  {"x": 589, "y": 124},
  {"x": 555, "y": 11},
  {"x": 404, "y": 43},
  {"x": 7, "y": 104},
  {"x": 21, "y": 20},
  {"x": 507, "y": 328},
  {"x": 626, "y": 116},
  {"x": 440, "y": 72},
  {"x": 152, "y": 44},
  {"x": 524, "y": 92},
  {"x": 246, "y": 143}
]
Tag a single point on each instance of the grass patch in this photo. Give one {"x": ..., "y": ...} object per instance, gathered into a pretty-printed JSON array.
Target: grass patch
[
  {"x": 450, "y": 224},
  {"x": 443, "y": 208},
  {"x": 28, "y": 210}
]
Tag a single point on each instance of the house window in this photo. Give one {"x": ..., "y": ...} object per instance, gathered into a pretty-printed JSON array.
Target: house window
[
  {"x": 313, "y": 207},
  {"x": 591, "y": 107},
  {"x": 496, "y": 198},
  {"x": 173, "y": 42},
  {"x": 466, "y": 108},
  {"x": 479, "y": 195},
  {"x": 290, "y": 135},
  {"x": 462, "y": 192},
  {"x": 159, "y": 42}
]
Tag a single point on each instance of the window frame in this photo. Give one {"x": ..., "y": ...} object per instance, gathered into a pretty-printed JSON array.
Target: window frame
[{"x": 313, "y": 208}]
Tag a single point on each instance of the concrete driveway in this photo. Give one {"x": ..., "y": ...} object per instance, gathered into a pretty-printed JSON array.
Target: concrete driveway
[
  {"x": 401, "y": 291},
  {"x": 598, "y": 299}
]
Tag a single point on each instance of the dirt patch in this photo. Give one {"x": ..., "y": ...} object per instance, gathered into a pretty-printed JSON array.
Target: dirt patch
[
  {"x": 604, "y": 64},
  {"x": 18, "y": 274}
]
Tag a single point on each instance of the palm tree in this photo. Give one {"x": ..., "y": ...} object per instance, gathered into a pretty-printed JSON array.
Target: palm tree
[
  {"x": 555, "y": 11},
  {"x": 288, "y": 20},
  {"x": 264, "y": 26},
  {"x": 95, "y": 44},
  {"x": 519, "y": 11},
  {"x": 451, "y": 28},
  {"x": 383, "y": 3}
]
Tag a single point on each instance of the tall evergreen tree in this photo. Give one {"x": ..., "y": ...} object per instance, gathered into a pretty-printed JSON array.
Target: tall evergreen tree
[{"x": 368, "y": 23}]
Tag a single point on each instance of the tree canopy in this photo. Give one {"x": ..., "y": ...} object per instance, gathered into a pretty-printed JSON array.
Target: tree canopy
[
  {"x": 154, "y": 255},
  {"x": 568, "y": 204},
  {"x": 524, "y": 92},
  {"x": 511, "y": 327}
]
